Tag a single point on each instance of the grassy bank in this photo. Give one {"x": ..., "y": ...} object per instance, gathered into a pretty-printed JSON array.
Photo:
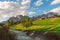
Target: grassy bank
[{"x": 46, "y": 25}]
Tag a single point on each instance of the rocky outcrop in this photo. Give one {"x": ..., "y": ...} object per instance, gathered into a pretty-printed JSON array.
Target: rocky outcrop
[
  {"x": 21, "y": 36},
  {"x": 35, "y": 35}
]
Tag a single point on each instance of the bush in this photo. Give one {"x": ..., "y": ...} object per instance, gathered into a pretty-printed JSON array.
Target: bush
[{"x": 5, "y": 34}]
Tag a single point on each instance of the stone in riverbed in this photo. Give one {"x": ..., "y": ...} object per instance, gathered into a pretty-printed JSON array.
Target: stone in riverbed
[{"x": 21, "y": 35}]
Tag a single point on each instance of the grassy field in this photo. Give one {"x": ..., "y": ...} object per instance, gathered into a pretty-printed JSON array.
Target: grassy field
[{"x": 46, "y": 25}]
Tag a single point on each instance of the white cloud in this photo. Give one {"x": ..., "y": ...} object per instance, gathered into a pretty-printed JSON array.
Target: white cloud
[
  {"x": 24, "y": 2},
  {"x": 55, "y": 2},
  {"x": 55, "y": 10},
  {"x": 31, "y": 13},
  {"x": 38, "y": 2},
  {"x": 6, "y": 5},
  {"x": 10, "y": 8}
]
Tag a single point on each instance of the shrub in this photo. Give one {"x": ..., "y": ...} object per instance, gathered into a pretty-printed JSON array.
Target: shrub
[{"x": 5, "y": 34}]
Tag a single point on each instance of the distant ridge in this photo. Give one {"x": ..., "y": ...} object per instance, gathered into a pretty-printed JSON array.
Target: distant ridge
[{"x": 43, "y": 16}]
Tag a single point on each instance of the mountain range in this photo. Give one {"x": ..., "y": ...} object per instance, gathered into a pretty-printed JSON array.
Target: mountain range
[{"x": 43, "y": 16}]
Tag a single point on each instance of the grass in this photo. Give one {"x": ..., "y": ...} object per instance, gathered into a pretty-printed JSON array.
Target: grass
[{"x": 45, "y": 25}]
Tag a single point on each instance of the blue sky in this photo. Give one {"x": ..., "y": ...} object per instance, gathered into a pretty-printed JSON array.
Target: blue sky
[
  {"x": 9, "y": 8},
  {"x": 45, "y": 7}
]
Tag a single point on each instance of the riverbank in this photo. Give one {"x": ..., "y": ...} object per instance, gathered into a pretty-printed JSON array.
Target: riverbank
[{"x": 35, "y": 35}]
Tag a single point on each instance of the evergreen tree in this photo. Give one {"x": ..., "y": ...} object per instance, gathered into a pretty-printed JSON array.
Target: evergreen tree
[{"x": 26, "y": 21}]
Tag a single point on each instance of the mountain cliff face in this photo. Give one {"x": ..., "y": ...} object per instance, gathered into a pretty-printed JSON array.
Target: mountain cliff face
[
  {"x": 19, "y": 16},
  {"x": 16, "y": 19}
]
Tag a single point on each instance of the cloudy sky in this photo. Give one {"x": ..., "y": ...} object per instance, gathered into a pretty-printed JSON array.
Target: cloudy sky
[{"x": 9, "y": 8}]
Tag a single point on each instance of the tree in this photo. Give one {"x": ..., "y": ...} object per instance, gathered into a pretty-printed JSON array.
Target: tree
[
  {"x": 11, "y": 22},
  {"x": 7, "y": 24},
  {"x": 26, "y": 21}
]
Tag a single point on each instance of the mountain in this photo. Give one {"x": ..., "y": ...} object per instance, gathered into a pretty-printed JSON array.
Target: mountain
[
  {"x": 16, "y": 19},
  {"x": 51, "y": 14},
  {"x": 19, "y": 16},
  {"x": 43, "y": 16},
  {"x": 47, "y": 15}
]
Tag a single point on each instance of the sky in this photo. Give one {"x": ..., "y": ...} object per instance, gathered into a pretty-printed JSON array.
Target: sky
[{"x": 10, "y": 8}]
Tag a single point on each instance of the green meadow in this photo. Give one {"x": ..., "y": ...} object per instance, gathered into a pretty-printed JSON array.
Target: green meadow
[{"x": 45, "y": 25}]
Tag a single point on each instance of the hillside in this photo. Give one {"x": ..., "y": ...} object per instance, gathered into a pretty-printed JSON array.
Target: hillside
[
  {"x": 46, "y": 25},
  {"x": 45, "y": 22}
]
